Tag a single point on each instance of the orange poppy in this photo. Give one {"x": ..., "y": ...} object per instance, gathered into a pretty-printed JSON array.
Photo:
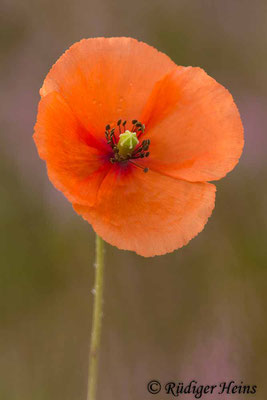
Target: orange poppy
[{"x": 132, "y": 141}]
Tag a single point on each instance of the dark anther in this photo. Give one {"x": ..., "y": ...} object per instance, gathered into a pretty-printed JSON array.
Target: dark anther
[
  {"x": 142, "y": 129},
  {"x": 138, "y": 125},
  {"x": 124, "y": 123},
  {"x": 134, "y": 121},
  {"x": 146, "y": 169},
  {"x": 107, "y": 127},
  {"x": 119, "y": 122},
  {"x": 147, "y": 154}
]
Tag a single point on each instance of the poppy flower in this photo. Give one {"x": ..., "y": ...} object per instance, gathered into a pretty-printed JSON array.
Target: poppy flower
[{"x": 132, "y": 140}]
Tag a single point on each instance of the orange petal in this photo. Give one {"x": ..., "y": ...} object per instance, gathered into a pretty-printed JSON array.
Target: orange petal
[
  {"x": 194, "y": 126},
  {"x": 148, "y": 213},
  {"x": 105, "y": 79},
  {"x": 73, "y": 166}
]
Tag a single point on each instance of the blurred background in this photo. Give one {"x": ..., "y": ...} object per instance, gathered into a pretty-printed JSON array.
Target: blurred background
[{"x": 198, "y": 313}]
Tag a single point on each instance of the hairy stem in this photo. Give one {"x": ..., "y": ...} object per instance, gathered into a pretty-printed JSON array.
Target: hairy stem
[{"x": 97, "y": 320}]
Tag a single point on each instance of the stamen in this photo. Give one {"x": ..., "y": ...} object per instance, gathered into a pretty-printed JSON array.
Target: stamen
[
  {"x": 145, "y": 169},
  {"x": 134, "y": 122},
  {"x": 119, "y": 125},
  {"x": 126, "y": 146}
]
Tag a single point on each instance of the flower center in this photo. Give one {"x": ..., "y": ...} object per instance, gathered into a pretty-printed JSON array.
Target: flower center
[{"x": 126, "y": 145}]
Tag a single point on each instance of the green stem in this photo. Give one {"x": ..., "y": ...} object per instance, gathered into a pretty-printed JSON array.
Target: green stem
[{"x": 97, "y": 320}]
